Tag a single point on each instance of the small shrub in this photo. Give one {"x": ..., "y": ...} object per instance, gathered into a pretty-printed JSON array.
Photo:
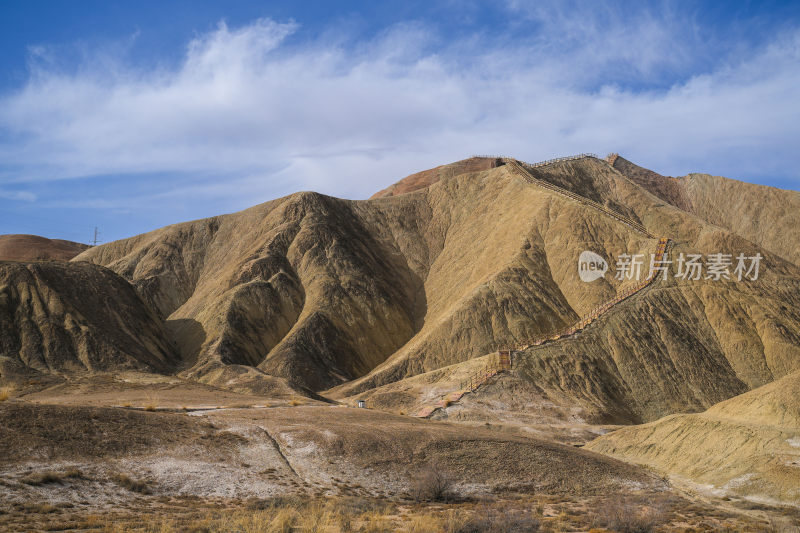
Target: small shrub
[
  {"x": 431, "y": 484},
  {"x": 41, "y": 507},
  {"x": 283, "y": 501},
  {"x": 150, "y": 407},
  {"x": 294, "y": 403},
  {"x": 499, "y": 521},
  {"x": 42, "y": 478},
  {"x": 5, "y": 393},
  {"x": 132, "y": 485},
  {"x": 628, "y": 516},
  {"x": 355, "y": 505},
  {"x": 74, "y": 473}
]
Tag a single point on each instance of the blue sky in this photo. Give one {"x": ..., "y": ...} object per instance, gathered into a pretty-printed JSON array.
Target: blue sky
[{"x": 130, "y": 116}]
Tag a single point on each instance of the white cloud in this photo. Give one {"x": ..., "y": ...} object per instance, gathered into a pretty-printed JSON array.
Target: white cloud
[
  {"x": 641, "y": 41},
  {"x": 24, "y": 196},
  {"x": 250, "y": 116}
]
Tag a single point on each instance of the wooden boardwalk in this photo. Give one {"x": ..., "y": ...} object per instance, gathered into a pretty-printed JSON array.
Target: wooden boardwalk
[{"x": 502, "y": 360}]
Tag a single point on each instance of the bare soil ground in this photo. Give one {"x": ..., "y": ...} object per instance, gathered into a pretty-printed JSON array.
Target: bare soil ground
[
  {"x": 90, "y": 468},
  {"x": 139, "y": 390},
  {"x": 505, "y": 403}
]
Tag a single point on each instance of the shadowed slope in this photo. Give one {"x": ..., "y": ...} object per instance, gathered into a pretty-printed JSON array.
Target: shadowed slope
[
  {"x": 295, "y": 286},
  {"x": 668, "y": 189},
  {"x": 60, "y": 317}
]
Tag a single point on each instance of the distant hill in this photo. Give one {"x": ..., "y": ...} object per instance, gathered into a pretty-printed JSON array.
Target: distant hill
[
  {"x": 767, "y": 216},
  {"x": 341, "y": 297},
  {"x": 426, "y": 178},
  {"x": 35, "y": 248}
]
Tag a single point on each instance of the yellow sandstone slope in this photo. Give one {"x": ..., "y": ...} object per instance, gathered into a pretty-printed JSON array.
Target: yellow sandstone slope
[{"x": 747, "y": 445}]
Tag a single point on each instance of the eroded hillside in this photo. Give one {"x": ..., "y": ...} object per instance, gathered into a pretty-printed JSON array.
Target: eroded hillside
[
  {"x": 60, "y": 317},
  {"x": 350, "y": 296}
]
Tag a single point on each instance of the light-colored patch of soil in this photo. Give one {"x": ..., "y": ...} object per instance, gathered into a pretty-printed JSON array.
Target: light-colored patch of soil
[{"x": 138, "y": 390}]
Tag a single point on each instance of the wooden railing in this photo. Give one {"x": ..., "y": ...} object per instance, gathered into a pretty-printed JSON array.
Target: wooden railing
[
  {"x": 500, "y": 362},
  {"x": 598, "y": 311},
  {"x": 562, "y": 159},
  {"x": 503, "y": 361},
  {"x": 521, "y": 171}
]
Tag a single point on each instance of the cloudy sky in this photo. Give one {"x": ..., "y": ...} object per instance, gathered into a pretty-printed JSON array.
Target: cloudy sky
[{"x": 133, "y": 115}]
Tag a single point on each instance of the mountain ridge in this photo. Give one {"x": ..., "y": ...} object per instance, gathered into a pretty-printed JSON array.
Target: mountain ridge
[{"x": 341, "y": 297}]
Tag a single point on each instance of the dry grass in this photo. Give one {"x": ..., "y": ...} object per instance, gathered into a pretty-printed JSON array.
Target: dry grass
[
  {"x": 5, "y": 393},
  {"x": 318, "y": 518},
  {"x": 40, "y": 507},
  {"x": 431, "y": 484},
  {"x": 295, "y": 403},
  {"x": 449, "y": 522},
  {"x": 348, "y": 514},
  {"x": 630, "y": 515},
  {"x": 781, "y": 525},
  {"x": 125, "y": 481},
  {"x": 47, "y": 477},
  {"x": 294, "y": 514},
  {"x": 495, "y": 520}
]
